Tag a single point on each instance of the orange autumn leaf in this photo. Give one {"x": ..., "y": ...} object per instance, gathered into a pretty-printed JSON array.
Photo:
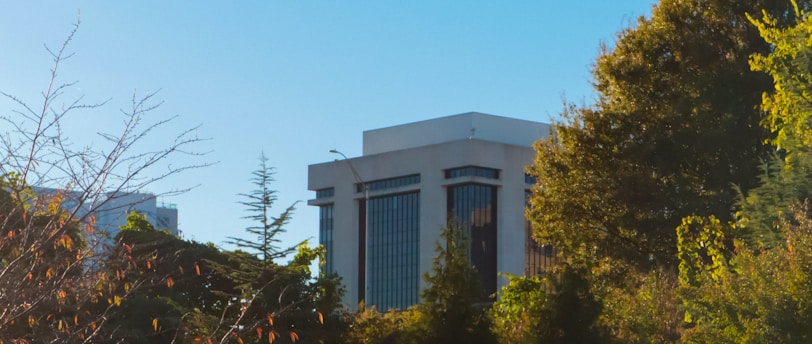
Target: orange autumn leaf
[
  {"x": 197, "y": 269},
  {"x": 170, "y": 282}
]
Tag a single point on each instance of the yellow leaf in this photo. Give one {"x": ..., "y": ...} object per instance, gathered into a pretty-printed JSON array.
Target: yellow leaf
[
  {"x": 321, "y": 318},
  {"x": 270, "y": 320},
  {"x": 60, "y": 325},
  {"x": 76, "y": 319},
  {"x": 117, "y": 300},
  {"x": 31, "y": 321},
  {"x": 155, "y": 324}
]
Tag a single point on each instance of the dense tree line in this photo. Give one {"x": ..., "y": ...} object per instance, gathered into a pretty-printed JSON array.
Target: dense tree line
[{"x": 678, "y": 199}]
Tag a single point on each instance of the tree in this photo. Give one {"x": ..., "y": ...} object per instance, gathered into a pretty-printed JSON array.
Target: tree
[
  {"x": 267, "y": 230},
  {"x": 271, "y": 299},
  {"x": 519, "y": 315},
  {"x": 368, "y": 326},
  {"x": 449, "y": 304},
  {"x": 758, "y": 289},
  {"x": 48, "y": 292},
  {"x": 674, "y": 127},
  {"x": 137, "y": 222},
  {"x": 785, "y": 180}
]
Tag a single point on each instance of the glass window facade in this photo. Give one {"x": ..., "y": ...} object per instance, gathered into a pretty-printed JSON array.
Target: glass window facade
[
  {"x": 325, "y": 193},
  {"x": 389, "y": 183},
  {"x": 326, "y": 237},
  {"x": 474, "y": 171},
  {"x": 473, "y": 207},
  {"x": 529, "y": 179},
  {"x": 392, "y": 248},
  {"x": 537, "y": 258}
]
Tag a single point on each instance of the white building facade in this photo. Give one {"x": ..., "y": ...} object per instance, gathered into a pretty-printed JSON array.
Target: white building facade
[
  {"x": 111, "y": 210},
  {"x": 382, "y": 213}
]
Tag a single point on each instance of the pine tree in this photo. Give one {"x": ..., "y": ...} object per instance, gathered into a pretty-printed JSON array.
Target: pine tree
[
  {"x": 450, "y": 302},
  {"x": 787, "y": 177},
  {"x": 267, "y": 229}
]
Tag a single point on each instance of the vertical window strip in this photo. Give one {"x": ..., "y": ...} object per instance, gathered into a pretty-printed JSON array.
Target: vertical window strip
[{"x": 395, "y": 259}]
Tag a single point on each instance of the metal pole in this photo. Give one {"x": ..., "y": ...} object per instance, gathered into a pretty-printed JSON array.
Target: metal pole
[{"x": 366, "y": 219}]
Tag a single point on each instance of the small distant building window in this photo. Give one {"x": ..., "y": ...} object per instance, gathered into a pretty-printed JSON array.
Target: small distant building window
[
  {"x": 529, "y": 179},
  {"x": 472, "y": 171},
  {"x": 325, "y": 193},
  {"x": 389, "y": 183}
]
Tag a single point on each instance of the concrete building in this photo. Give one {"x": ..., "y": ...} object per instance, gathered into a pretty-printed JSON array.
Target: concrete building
[
  {"x": 111, "y": 212},
  {"x": 412, "y": 179}
]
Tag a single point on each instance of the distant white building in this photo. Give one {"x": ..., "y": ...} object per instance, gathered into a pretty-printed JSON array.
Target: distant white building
[
  {"x": 381, "y": 213},
  {"x": 111, "y": 211}
]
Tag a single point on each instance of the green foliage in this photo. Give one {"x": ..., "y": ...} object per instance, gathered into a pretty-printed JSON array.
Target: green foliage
[
  {"x": 786, "y": 180},
  {"x": 675, "y": 125},
  {"x": 137, "y": 222},
  {"x": 672, "y": 141},
  {"x": 449, "y": 303},
  {"x": 760, "y": 291},
  {"x": 46, "y": 295},
  {"x": 267, "y": 230},
  {"x": 368, "y": 326},
  {"x": 522, "y": 312},
  {"x": 646, "y": 310},
  {"x": 757, "y": 296}
]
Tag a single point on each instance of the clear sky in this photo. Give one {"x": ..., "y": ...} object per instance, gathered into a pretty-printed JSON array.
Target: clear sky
[{"x": 297, "y": 78}]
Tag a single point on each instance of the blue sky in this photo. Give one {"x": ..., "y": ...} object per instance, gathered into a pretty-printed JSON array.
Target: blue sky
[{"x": 297, "y": 78}]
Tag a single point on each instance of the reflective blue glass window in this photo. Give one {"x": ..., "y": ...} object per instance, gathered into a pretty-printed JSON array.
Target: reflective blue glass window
[
  {"x": 392, "y": 250},
  {"x": 326, "y": 236},
  {"x": 473, "y": 207},
  {"x": 473, "y": 171},
  {"x": 389, "y": 183},
  {"x": 537, "y": 257},
  {"x": 325, "y": 193}
]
